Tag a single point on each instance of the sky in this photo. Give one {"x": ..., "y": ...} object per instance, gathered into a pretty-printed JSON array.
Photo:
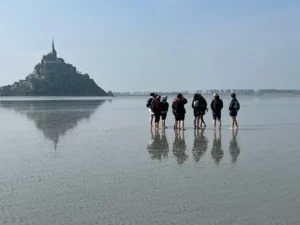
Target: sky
[{"x": 157, "y": 45}]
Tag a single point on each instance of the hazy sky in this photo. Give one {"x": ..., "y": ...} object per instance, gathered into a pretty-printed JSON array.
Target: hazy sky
[{"x": 157, "y": 44}]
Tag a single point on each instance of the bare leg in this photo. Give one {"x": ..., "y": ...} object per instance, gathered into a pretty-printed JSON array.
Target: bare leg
[
  {"x": 157, "y": 117},
  {"x": 200, "y": 123},
  {"x": 220, "y": 124},
  {"x": 164, "y": 124},
  {"x": 182, "y": 124},
  {"x": 202, "y": 119},
  {"x": 215, "y": 124},
  {"x": 151, "y": 119},
  {"x": 236, "y": 124},
  {"x": 195, "y": 122},
  {"x": 232, "y": 122}
]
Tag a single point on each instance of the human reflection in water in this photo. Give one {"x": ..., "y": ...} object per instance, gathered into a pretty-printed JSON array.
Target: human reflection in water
[
  {"x": 200, "y": 144},
  {"x": 158, "y": 146},
  {"x": 179, "y": 146},
  {"x": 234, "y": 148},
  {"x": 216, "y": 151},
  {"x": 54, "y": 117}
]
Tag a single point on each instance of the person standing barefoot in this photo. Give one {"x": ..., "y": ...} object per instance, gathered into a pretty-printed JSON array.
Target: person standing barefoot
[
  {"x": 148, "y": 105},
  {"x": 203, "y": 108},
  {"x": 196, "y": 108},
  {"x": 157, "y": 111},
  {"x": 174, "y": 103},
  {"x": 216, "y": 107},
  {"x": 164, "y": 111},
  {"x": 180, "y": 110},
  {"x": 234, "y": 107}
]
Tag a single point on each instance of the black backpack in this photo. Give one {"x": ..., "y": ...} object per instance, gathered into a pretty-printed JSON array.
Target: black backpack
[
  {"x": 150, "y": 100},
  {"x": 236, "y": 105},
  {"x": 153, "y": 105},
  {"x": 175, "y": 104},
  {"x": 203, "y": 104},
  {"x": 164, "y": 106},
  {"x": 217, "y": 105}
]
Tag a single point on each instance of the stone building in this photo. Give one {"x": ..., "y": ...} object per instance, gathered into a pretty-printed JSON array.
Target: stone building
[{"x": 51, "y": 62}]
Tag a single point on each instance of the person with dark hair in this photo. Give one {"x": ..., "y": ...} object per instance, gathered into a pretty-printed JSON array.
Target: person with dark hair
[
  {"x": 196, "y": 107},
  {"x": 216, "y": 107},
  {"x": 203, "y": 108},
  {"x": 156, "y": 109},
  {"x": 180, "y": 111},
  {"x": 174, "y": 111},
  {"x": 164, "y": 110},
  {"x": 148, "y": 105},
  {"x": 234, "y": 107}
]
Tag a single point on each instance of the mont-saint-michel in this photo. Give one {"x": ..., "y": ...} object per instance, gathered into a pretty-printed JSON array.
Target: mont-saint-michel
[{"x": 53, "y": 77}]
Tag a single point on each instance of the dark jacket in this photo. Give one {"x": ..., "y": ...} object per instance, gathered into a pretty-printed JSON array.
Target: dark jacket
[
  {"x": 149, "y": 102},
  {"x": 164, "y": 106},
  {"x": 179, "y": 106},
  {"x": 156, "y": 106},
  {"x": 234, "y": 105},
  {"x": 216, "y": 105},
  {"x": 173, "y": 103},
  {"x": 203, "y": 103}
]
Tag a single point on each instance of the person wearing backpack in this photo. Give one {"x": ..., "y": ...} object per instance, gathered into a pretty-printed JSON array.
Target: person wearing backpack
[
  {"x": 216, "y": 106},
  {"x": 196, "y": 108},
  {"x": 234, "y": 107},
  {"x": 164, "y": 110},
  {"x": 156, "y": 109},
  {"x": 148, "y": 105},
  {"x": 203, "y": 108},
  {"x": 180, "y": 110},
  {"x": 174, "y": 102}
]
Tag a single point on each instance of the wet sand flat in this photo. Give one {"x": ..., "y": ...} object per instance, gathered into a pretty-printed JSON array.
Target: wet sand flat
[{"x": 96, "y": 161}]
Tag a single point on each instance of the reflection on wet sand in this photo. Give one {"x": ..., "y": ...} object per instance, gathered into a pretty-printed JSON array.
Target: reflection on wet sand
[
  {"x": 158, "y": 146},
  {"x": 179, "y": 147},
  {"x": 217, "y": 151},
  {"x": 54, "y": 118},
  {"x": 200, "y": 144},
  {"x": 234, "y": 148}
]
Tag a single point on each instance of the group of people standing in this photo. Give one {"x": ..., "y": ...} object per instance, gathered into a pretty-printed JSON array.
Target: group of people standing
[{"x": 159, "y": 107}]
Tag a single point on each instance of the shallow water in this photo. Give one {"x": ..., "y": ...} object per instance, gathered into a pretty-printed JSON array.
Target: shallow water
[{"x": 96, "y": 161}]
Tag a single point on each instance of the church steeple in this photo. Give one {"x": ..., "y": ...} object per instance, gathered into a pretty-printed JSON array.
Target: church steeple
[{"x": 53, "y": 49}]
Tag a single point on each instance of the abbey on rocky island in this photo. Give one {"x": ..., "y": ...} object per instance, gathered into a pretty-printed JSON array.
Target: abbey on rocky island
[{"x": 53, "y": 77}]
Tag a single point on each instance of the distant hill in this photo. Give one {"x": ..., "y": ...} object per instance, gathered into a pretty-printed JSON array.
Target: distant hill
[{"x": 53, "y": 77}]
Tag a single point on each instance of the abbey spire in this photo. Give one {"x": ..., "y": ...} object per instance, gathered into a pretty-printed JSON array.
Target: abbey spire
[{"x": 53, "y": 49}]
